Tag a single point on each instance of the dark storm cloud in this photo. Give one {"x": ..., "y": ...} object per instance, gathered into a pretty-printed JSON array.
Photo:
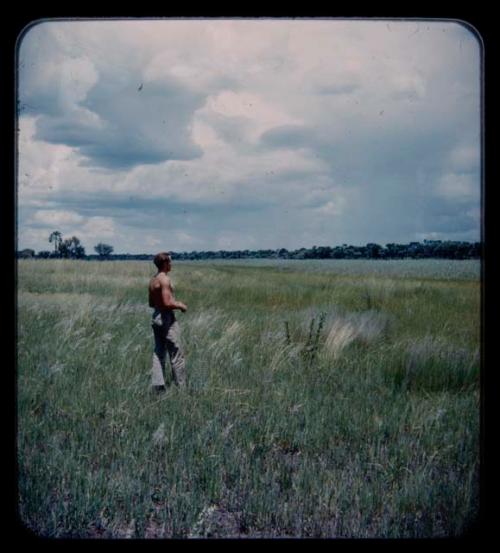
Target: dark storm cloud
[
  {"x": 361, "y": 151},
  {"x": 120, "y": 125},
  {"x": 231, "y": 129},
  {"x": 110, "y": 113},
  {"x": 290, "y": 136},
  {"x": 140, "y": 211}
]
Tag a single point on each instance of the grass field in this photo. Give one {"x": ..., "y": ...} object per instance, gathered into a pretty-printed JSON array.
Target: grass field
[{"x": 334, "y": 399}]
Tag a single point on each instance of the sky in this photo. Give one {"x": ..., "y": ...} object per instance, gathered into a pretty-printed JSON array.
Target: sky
[{"x": 181, "y": 135}]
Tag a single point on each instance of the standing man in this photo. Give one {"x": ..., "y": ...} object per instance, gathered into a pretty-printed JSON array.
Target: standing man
[{"x": 165, "y": 327}]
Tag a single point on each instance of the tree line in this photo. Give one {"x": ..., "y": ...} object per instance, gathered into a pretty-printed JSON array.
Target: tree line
[
  {"x": 414, "y": 250},
  {"x": 71, "y": 248}
]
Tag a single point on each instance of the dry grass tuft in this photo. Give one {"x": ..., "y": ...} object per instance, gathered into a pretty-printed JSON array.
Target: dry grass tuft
[
  {"x": 341, "y": 334},
  {"x": 365, "y": 327}
]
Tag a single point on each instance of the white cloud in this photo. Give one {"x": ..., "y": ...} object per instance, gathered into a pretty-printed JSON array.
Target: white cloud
[
  {"x": 36, "y": 238},
  {"x": 152, "y": 241},
  {"x": 234, "y": 240},
  {"x": 40, "y": 165},
  {"x": 98, "y": 227},
  {"x": 465, "y": 157},
  {"x": 475, "y": 214},
  {"x": 250, "y": 106},
  {"x": 458, "y": 187},
  {"x": 186, "y": 240},
  {"x": 54, "y": 218},
  {"x": 420, "y": 236},
  {"x": 331, "y": 208}
]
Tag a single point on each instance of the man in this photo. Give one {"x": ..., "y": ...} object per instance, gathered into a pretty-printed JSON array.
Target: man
[{"x": 165, "y": 327}]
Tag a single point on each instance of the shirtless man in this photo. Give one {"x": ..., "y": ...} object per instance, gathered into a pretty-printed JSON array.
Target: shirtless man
[{"x": 165, "y": 327}]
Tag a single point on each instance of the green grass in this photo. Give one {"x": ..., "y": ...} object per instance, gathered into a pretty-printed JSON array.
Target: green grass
[{"x": 366, "y": 425}]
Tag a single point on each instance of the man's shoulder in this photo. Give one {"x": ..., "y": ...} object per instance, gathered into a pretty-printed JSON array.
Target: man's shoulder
[{"x": 163, "y": 278}]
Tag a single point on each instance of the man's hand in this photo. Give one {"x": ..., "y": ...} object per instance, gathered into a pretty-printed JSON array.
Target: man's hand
[{"x": 182, "y": 306}]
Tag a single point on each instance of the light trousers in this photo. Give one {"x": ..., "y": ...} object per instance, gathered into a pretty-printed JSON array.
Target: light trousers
[{"x": 166, "y": 332}]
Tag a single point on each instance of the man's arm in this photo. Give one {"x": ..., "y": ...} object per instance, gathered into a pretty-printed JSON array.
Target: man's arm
[{"x": 168, "y": 299}]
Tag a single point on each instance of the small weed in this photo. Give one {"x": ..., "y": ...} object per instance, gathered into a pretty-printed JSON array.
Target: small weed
[
  {"x": 312, "y": 345},
  {"x": 309, "y": 349}
]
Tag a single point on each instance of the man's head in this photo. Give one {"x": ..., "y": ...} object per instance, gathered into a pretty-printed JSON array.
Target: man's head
[{"x": 163, "y": 261}]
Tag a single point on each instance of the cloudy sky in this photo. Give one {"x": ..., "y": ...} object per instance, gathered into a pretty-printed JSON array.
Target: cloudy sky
[{"x": 246, "y": 134}]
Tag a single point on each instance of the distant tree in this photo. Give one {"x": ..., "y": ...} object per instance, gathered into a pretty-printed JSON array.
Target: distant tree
[
  {"x": 104, "y": 250},
  {"x": 395, "y": 251},
  {"x": 71, "y": 248},
  {"x": 338, "y": 252},
  {"x": 324, "y": 252},
  {"x": 475, "y": 250},
  {"x": 373, "y": 251},
  {"x": 415, "y": 250},
  {"x": 56, "y": 237},
  {"x": 44, "y": 254},
  {"x": 26, "y": 253},
  {"x": 299, "y": 254},
  {"x": 461, "y": 250}
]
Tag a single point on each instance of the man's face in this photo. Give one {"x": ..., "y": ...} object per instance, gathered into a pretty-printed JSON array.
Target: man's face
[{"x": 168, "y": 264}]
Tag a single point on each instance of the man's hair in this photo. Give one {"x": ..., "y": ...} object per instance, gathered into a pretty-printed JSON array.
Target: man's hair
[{"x": 160, "y": 259}]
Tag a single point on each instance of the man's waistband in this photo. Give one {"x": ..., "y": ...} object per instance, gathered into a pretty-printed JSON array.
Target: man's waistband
[{"x": 163, "y": 312}]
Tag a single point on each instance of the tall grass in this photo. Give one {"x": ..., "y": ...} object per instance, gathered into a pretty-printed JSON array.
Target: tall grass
[{"x": 319, "y": 404}]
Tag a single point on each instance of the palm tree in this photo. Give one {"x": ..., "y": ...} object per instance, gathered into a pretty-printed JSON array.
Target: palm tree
[{"x": 56, "y": 237}]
